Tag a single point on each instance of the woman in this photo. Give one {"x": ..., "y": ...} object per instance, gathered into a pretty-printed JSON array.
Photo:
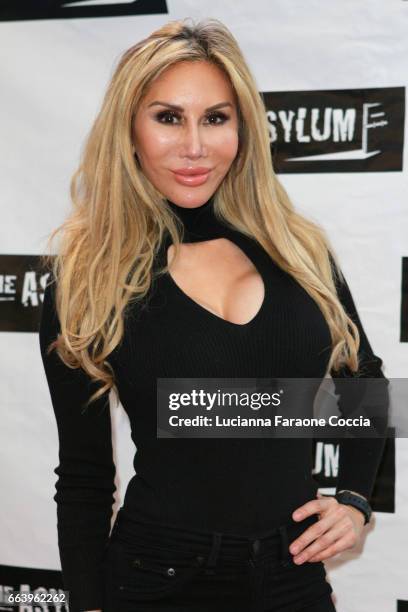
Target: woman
[{"x": 248, "y": 289}]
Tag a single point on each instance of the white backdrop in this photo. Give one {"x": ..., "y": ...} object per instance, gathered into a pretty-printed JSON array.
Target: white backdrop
[{"x": 53, "y": 75}]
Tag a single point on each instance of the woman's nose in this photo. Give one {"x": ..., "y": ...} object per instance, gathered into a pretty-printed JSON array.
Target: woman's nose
[{"x": 193, "y": 141}]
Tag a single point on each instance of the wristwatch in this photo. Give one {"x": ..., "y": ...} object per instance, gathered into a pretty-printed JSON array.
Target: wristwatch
[{"x": 351, "y": 499}]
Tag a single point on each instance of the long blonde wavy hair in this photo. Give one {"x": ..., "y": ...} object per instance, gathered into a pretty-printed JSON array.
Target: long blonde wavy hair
[{"x": 118, "y": 219}]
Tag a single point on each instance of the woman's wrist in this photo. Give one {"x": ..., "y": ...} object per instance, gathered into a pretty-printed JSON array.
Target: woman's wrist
[{"x": 354, "y": 493}]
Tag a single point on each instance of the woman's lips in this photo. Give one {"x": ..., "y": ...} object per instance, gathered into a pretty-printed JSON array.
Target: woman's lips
[{"x": 192, "y": 179}]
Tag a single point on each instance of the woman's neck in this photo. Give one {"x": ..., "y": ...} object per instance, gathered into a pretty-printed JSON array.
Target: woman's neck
[{"x": 200, "y": 222}]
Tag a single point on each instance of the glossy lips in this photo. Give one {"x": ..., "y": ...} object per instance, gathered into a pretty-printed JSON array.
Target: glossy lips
[{"x": 192, "y": 176}]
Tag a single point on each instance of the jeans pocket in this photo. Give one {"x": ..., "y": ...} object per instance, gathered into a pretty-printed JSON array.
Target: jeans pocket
[
  {"x": 289, "y": 572},
  {"x": 293, "y": 584},
  {"x": 150, "y": 571}
]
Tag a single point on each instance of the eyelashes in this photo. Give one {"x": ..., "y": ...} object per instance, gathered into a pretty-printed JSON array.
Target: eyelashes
[{"x": 164, "y": 116}]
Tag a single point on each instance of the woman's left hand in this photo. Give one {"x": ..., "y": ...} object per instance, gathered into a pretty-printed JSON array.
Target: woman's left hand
[{"x": 339, "y": 527}]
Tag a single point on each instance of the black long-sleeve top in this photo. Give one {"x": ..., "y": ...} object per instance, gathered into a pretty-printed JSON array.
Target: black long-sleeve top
[{"x": 236, "y": 485}]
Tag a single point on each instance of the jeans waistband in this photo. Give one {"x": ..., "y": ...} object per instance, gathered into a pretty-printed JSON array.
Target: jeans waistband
[{"x": 216, "y": 546}]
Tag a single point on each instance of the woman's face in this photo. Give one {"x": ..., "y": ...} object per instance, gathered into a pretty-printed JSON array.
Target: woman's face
[{"x": 177, "y": 128}]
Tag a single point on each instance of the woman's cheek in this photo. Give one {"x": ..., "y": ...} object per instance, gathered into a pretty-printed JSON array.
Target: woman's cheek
[{"x": 228, "y": 144}]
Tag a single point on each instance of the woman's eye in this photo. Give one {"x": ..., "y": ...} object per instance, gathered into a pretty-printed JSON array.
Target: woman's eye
[
  {"x": 168, "y": 116},
  {"x": 223, "y": 118},
  {"x": 164, "y": 115}
]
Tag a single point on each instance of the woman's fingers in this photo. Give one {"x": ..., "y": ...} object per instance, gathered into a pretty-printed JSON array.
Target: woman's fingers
[
  {"x": 329, "y": 540},
  {"x": 343, "y": 543},
  {"x": 315, "y": 506},
  {"x": 329, "y": 517},
  {"x": 338, "y": 528}
]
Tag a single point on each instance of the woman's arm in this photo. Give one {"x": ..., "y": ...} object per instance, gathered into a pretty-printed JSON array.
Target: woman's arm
[
  {"x": 86, "y": 471},
  {"x": 359, "y": 458}
]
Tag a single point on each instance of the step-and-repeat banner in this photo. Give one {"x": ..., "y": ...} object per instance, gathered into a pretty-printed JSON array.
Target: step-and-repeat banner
[{"x": 333, "y": 76}]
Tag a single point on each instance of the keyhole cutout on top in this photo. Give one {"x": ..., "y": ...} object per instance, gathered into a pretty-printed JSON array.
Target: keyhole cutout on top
[{"x": 218, "y": 277}]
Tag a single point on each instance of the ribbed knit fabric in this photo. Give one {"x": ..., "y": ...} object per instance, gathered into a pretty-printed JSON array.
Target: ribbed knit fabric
[{"x": 233, "y": 485}]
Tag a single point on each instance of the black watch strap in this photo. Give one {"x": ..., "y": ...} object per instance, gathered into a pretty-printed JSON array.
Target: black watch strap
[{"x": 349, "y": 498}]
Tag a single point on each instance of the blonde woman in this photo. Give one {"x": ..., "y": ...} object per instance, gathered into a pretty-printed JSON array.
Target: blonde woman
[{"x": 184, "y": 258}]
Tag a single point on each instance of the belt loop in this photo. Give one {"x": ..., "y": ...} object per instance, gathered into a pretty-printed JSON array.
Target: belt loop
[
  {"x": 256, "y": 577},
  {"x": 215, "y": 547},
  {"x": 285, "y": 553}
]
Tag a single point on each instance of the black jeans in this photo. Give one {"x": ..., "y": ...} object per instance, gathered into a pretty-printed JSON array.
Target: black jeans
[{"x": 168, "y": 569}]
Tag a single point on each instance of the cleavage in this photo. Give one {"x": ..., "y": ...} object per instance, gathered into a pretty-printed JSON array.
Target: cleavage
[{"x": 219, "y": 277}]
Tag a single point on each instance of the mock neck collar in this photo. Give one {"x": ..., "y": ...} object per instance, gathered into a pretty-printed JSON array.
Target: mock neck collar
[{"x": 200, "y": 222}]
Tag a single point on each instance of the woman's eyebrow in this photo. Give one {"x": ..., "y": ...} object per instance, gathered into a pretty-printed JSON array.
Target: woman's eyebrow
[{"x": 180, "y": 108}]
